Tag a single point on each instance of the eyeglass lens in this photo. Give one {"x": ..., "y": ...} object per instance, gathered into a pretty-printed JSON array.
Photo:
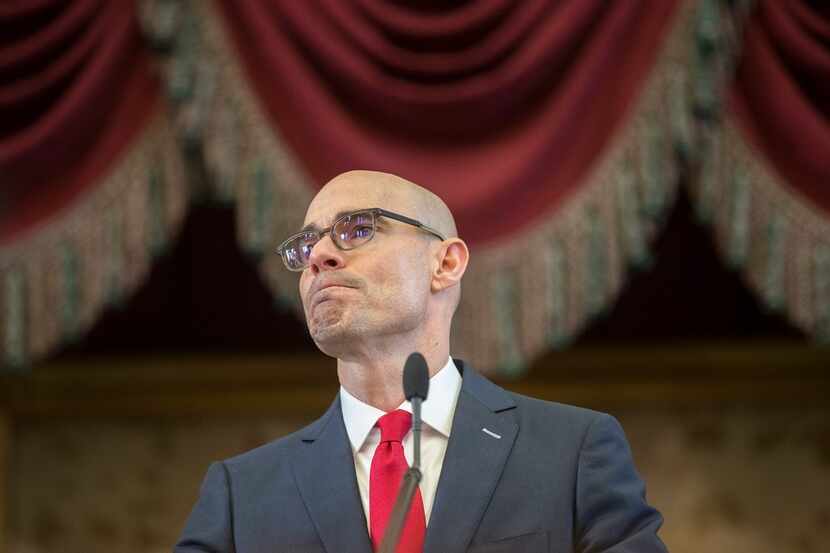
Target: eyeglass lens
[
  {"x": 354, "y": 230},
  {"x": 348, "y": 233},
  {"x": 296, "y": 252}
]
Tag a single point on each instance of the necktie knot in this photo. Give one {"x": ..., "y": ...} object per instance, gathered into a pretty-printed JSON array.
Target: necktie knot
[{"x": 394, "y": 426}]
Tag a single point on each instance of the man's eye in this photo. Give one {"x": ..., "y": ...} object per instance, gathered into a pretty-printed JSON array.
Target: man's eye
[{"x": 362, "y": 231}]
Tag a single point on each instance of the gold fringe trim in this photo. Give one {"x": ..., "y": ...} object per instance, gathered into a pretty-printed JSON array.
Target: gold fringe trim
[
  {"x": 554, "y": 268},
  {"x": 56, "y": 281},
  {"x": 519, "y": 299},
  {"x": 246, "y": 160},
  {"x": 776, "y": 237}
]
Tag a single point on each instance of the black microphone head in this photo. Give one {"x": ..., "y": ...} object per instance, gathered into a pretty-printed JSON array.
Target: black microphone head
[{"x": 415, "y": 377}]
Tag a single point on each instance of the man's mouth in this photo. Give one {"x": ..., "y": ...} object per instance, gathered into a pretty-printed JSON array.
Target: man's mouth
[{"x": 327, "y": 293}]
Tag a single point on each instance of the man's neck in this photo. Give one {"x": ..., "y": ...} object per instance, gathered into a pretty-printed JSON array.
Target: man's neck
[{"x": 378, "y": 381}]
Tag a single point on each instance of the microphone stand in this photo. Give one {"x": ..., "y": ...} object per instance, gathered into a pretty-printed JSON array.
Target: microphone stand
[{"x": 411, "y": 479}]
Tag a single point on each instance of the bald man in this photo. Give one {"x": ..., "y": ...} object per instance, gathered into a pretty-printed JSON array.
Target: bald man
[{"x": 381, "y": 267}]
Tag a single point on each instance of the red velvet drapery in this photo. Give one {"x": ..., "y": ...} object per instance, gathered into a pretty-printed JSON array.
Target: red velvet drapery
[
  {"x": 548, "y": 127},
  {"x": 76, "y": 87},
  {"x": 500, "y": 107},
  {"x": 80, "y": 135},
  {"x": 766, "y": 183},
  {"x": 781, "y": 95}
]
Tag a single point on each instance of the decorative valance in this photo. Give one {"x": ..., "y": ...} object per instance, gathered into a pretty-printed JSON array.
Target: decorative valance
[
  {"x": 91, "y": 185},
  {"x": 557, "y": 132},
  {"x": 765, "y": 179},
  {"x": 550, "y": 128}
]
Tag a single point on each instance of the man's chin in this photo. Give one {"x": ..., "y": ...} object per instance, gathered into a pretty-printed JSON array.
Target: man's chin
[{"x": 332, "y": 338}]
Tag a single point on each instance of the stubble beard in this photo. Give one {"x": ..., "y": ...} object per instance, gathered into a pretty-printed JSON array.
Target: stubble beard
[
  {"x": 338, "y": 329},
  {"x": 330, "y": 328}
]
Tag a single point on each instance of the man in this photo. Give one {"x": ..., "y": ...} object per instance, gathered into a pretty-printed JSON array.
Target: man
[{"x": 381, "y": 277}]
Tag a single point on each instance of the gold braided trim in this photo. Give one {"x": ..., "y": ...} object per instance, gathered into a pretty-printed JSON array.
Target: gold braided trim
[
  {"x": 777, "y": 238},
  {"x": 522, "y": 296},
  {"x": 56, "y": 281}
]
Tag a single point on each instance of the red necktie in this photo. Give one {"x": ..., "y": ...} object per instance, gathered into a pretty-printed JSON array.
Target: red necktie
[{"x": 388, "y": 468}]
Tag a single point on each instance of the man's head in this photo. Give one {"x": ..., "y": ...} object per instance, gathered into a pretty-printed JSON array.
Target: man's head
[{"x": 403, "y": 284}]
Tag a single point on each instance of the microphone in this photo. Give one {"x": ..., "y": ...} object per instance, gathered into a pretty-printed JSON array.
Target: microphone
[{"x": 415, "y": 388}]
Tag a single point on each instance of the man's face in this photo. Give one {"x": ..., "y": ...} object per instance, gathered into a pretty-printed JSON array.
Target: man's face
[{"x": 378, "y": 290}]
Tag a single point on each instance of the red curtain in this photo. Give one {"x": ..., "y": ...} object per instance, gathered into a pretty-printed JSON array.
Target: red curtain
[
  {"x": 766, "y": 183},
  {"x": 549, "y": 128},
  {"x": 89, "y": 177},
  {"x": 500, "y": 107},
  {"x": 781, "y": 96},
  {"x": 76, "y": 87}
]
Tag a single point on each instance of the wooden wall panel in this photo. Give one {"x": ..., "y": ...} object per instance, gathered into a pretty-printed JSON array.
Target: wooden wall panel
[{"x": 121, "y": 434}]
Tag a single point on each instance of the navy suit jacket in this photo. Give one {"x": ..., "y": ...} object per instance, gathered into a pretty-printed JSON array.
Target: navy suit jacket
[{"x": 545, "y": 477}]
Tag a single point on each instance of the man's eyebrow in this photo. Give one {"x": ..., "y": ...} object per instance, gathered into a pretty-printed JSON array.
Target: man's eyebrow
[{"x": 341, "y": 213}]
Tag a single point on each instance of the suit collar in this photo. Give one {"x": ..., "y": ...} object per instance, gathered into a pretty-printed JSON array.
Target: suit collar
[
  {"x": 313, "y": 431},
  {"x": 495, "y": 398},
  {"x": 325, "y": 474},
  {"x": 482, "y": 437}
]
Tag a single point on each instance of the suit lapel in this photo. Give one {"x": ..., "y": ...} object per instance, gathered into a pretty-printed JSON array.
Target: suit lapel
[
  {"x": 324, "y": 469},
  {"x": 472, "y": 465}
]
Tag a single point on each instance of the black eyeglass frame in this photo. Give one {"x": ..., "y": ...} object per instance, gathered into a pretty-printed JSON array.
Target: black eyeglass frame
[{"x": 375, "y": 211}]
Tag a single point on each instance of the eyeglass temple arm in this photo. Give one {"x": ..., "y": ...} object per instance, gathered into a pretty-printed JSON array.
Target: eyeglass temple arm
[{"x": 413, "y": 222}]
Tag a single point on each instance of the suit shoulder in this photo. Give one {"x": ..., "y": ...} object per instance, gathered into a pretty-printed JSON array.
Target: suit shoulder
[
  {"x": 527, "y": 409},
  {"x": 531, "y": 408},
  {"x": 279, "y": 449},
  {"x": 269, "y": 453}
]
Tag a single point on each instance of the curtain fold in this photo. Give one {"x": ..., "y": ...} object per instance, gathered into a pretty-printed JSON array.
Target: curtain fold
[
  {"x": 556, "y": 131},
  {"x": 764, "y": 182},
  {"x": 91, "y": 178},
  {"x": 550, "y": 128},
  {"x": 546, "y": 95}
]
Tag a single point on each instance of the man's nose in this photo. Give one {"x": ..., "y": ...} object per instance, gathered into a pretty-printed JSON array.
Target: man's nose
[{"x": 325, "y": 256}]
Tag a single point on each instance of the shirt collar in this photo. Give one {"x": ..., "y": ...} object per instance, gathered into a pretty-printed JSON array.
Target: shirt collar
[{"x": 437, "y": 411}]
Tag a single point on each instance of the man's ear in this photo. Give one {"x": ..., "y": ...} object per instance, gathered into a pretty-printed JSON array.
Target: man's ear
[{"x": 452, "y": 262}]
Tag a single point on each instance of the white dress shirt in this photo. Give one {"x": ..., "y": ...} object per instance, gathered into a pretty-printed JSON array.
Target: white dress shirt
[{"x": 437, "y": 413}]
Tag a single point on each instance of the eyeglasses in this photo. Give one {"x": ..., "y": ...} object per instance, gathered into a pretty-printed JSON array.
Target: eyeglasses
[{"x": 347, "y": 233}]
